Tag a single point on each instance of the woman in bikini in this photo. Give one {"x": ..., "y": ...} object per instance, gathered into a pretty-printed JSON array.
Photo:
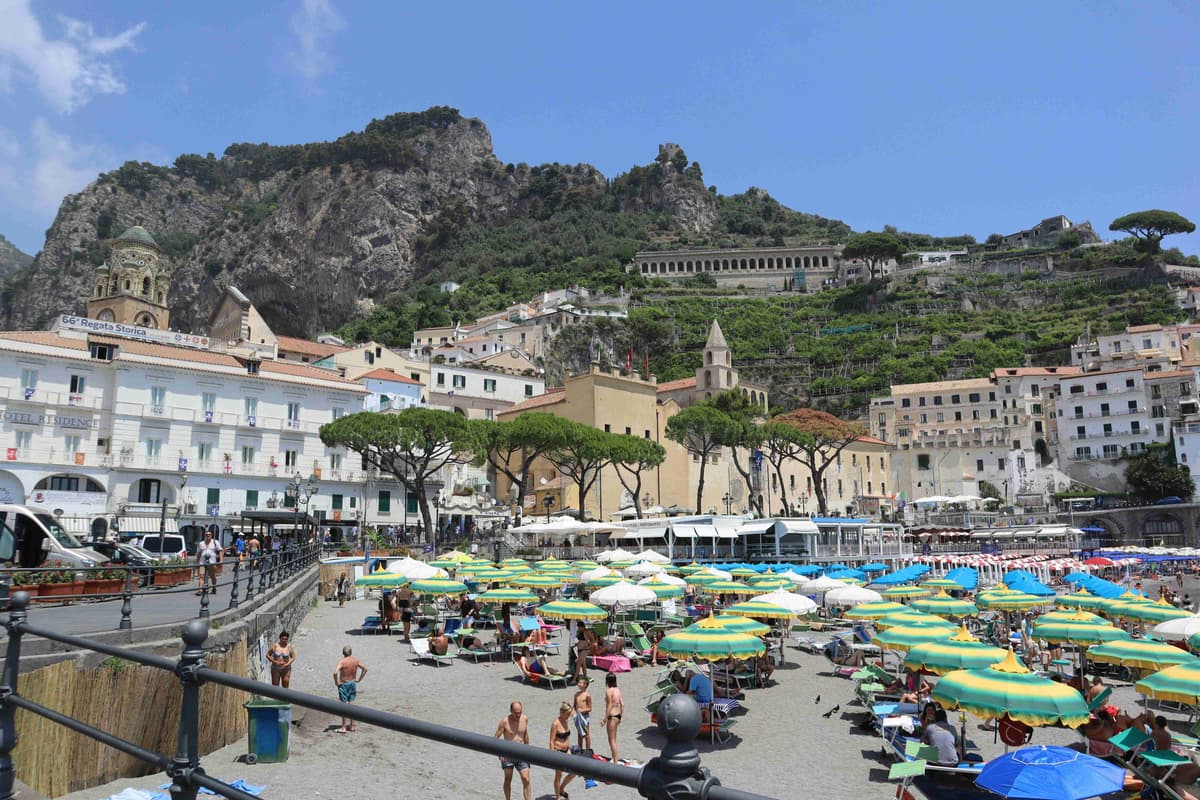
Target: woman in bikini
[
  {"x": 614, "y": 707},
  {"x": 560, "y": 742},
  {"x": 281, "y": 656},
  {"x": 403, "y": 597}
]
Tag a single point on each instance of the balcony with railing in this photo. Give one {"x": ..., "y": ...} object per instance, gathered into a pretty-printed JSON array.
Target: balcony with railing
[
  {"x": 42, "y": 397},
  {"x": 222, "y": 418}
]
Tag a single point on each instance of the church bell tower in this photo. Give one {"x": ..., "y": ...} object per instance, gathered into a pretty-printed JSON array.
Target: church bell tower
[{"x": 131, "y": 287}]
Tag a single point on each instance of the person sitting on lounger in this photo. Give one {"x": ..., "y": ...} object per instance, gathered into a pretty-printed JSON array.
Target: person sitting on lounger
[
  {"x": 763, "y": 668},
  {"x": 439, "y": 643},
  {"x": 941, "y": 734},
  {"x": 536, "y": 665},
  {"x": 537, "y": 638}
]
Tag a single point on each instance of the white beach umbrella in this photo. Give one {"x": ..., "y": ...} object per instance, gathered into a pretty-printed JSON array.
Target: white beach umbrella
[
  {"x": 1178, "y": 629},
  {"x": 623, "y": 595},
  {"x": 619, "y": 554},
  {"x": 798, "y": 603},
  {"x": 421, "y": 572},
  {"x": 795, "y": 577},
  {"x": 641, "y": 570},
  {"x": 598, "y": 572},
  {"x": 651, "y": 555},
  {"x": 851, "y": 596},
  {"x": 822, "y": 584},
  {"x": 674, "y": 580},
  {"x": 399, "y": 565},
  {"x": 720, "y": 573}
]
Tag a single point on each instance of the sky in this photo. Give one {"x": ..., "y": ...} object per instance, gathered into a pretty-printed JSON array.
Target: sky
[{"x": 945, "y": 118}]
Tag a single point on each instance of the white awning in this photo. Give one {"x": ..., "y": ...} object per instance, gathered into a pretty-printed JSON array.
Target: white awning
[
  {"x": 1053, "y": 530},
  {"x": 683, "y": 531},
  {"x": 639, "y": 533},
  {"x": 758, "y": 526},
  {"x": 77, "y": 525},
  {"x": 129, "y": 525},
  {"x": 984, "y": 534},
  {"x": 800, "y": 526}
]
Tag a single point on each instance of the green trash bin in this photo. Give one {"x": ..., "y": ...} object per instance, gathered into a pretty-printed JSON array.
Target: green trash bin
[{"x": 268, "y": 728}]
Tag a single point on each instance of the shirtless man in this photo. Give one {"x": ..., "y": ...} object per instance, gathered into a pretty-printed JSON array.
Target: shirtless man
[
  {"x": 583, "y": 714},
  {"x": 515, "y": 728},
  {"x": 346, "y": 677}
]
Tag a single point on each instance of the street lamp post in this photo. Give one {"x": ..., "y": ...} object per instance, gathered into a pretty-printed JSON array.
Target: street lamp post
[
  {"x": 803, "y": 498},
  {"x": 548, "y": 502},
  {"x": 728, "y": 501}
]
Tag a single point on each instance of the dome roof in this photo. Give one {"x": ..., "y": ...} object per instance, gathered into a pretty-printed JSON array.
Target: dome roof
[{"x": 138, "y": 234}]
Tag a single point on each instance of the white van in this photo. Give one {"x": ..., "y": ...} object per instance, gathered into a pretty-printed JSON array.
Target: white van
[
  {"x": 38, "y": 540},
  {"x": 164, "y": 545}
]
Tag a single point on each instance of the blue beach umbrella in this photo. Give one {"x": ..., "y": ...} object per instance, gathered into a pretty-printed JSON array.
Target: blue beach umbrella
[
  {"x": 966, "y": 577},
  {"x": 874, "y": 567},
  {"x": 1031, "y": 586},
  {"x": 1050, "y": 773}
]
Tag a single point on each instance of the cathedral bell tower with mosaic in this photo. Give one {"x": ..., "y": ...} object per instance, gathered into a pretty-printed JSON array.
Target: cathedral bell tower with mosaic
[{"x": 131, "y": 287}]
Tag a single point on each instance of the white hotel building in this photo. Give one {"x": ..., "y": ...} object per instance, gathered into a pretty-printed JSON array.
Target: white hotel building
[{"x": 104, "y": 419}]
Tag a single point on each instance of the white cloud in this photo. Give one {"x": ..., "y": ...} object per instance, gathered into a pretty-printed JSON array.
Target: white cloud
[
  {"x": 69, "y": 71},
  {"x": 313, "y": 24},
  {"x": 59, "y": 166}
]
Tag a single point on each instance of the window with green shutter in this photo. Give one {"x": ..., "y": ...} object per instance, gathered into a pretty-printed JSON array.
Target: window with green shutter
[
  {"x": 252, "y": 498},
  {"x": 385, "y": 502},
  {"x": 337, "y": 502}
]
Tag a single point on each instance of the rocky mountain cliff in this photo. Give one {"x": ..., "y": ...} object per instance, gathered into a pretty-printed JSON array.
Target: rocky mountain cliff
[
  {"x": 12, "y": 259},
  {"x": 314, "y": 234}
]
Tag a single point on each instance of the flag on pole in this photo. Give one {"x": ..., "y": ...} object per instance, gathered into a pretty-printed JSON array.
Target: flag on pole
[{"x": 629, "y": 360}]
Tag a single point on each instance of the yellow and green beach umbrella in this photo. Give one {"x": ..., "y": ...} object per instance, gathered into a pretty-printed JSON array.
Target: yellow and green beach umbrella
[
  {"x": 1077, "y": 632},
  {"x": 1009, "y": 600},
  {"x": 740, "y": 624},
  {"x": 508, "y": 595},
  {"x": 1141, "y": 654},
  {"x": 743, "y": 572},
  {"x": 572, "y": 609},
  {"x": 600, "y": 581},
  {"x": 899, "y": 592},
  {"x": 1008, "y": 688},
  {"x": 875, "y": 610},
  {"x": 551, "y": 564},
  {"x": 445, "y": 563},
  {"x": 729, "y": 587},
  {"x": 438, "y": 586},
  {"x": 942, "y": 583},
  {"x": 1156, "y": 612},
  {"x": 688, "y": 569},
  {"x": 758, "y": 609},
  {"x": 709, "y": 640},
  {"x": 700, "y": 579},
  {"x": 916, "y": 619},
  {"x": 1180, "y": 683},
  {"x": 943, "y": 604},
  {"x": 584, "y": 565},
  {"x": 382, "y": 580},
  {"x": 1081, "y": 599},
  {"x": 767, "y": 584},
  {"x": 960, "y": 651},
  {"x": 905, "y": 637},
  {"x": 515, "y": 564},
  {"x": 662, "y": 589},
  {"x": 536, "y": 580},
  {"x": 1074, "y": 616}
]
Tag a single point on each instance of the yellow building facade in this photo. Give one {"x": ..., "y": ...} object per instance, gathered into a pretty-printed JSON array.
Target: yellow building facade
[
  {"x": 857, "y": 483},
  {"x": 623, "y": 404}
]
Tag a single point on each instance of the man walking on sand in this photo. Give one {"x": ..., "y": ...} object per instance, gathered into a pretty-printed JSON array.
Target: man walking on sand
[
  {"x": 515, "y": 728},
  {"x": 346, "y": 676}
]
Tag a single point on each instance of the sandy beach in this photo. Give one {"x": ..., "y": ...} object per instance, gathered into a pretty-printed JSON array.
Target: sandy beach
[{"x": 783, "y": 746}]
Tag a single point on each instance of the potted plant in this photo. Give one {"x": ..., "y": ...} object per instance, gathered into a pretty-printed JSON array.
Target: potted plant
[
  {"x": 172, "y": 572},
  {"x": 59, "y": 583},
  {"x": 106, "y": 581},
  {"x": 25, "y": 582}
]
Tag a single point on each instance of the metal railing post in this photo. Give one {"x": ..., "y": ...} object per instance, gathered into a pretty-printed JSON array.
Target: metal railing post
[
  {"x": 127, "y": 602},
  {"x": 17, "y": 605},
  {"x": 676, "y": 773},
  {"x": 233, "y": 591},
  {"x": 187, "y": 752},
  {"x": 249, "y": 578},
  {"x": 204, "y": 601},
  {"x": 262, "y": 573}
]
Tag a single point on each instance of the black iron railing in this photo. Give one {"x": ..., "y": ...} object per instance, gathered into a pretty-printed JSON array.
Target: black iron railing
[
  {"x": 675, "y": 774},
  {"x": 241, "y": 579}
]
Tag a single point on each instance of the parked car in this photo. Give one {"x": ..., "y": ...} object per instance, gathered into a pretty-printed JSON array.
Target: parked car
[
  {"x": 130, "y": 555},
  {"x": 34, "y": 538},
  {"x": 164, "y": 545},
  {"x": 1169, "y": 501}
]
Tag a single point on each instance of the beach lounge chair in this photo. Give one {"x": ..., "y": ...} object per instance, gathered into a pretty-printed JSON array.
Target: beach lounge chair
[
  {"x": 372, "y": 624},
  {"x": 477, "y": 653},
  {"x": 1099, "y": 700},
  {"x": 549, "y": 628},
  {"x": 538, "y": 679},
  {"x": 420, "y": 649}
]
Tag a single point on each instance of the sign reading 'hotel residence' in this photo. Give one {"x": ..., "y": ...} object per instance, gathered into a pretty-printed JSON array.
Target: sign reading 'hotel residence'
[{"x": 87, "y": 325}]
